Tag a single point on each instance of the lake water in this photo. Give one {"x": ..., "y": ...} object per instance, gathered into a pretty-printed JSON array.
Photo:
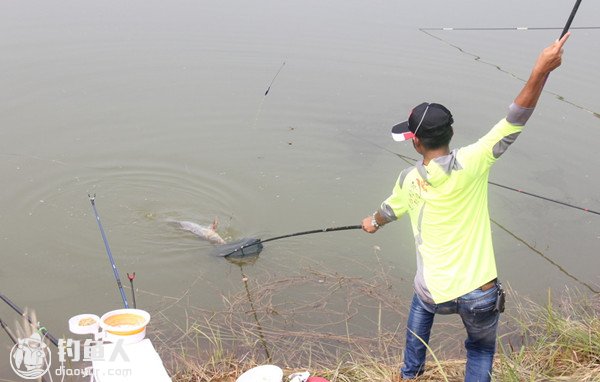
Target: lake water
[{"x": 158, "y": 108}]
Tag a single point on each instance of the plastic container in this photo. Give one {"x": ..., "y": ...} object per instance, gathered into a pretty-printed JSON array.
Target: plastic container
[
  {"x": 264, "y": 373},
  {"x": 84, "y": 324},
  {"x": 127, "y": 325}
]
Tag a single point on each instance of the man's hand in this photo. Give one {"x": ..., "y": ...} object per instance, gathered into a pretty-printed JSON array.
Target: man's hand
[
  {"x": 367, "y": 226},
  {"x": 551, "y": 57},
  {"x": 548, "y": 60}
]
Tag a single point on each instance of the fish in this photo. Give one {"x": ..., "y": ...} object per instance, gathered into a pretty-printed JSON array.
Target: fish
[{"x": 208, "y": 233}]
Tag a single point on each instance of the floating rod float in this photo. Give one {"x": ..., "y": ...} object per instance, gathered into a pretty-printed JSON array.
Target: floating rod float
[
  {"x": 273, "y": 80},
  {"x": 262, "y": 101}
]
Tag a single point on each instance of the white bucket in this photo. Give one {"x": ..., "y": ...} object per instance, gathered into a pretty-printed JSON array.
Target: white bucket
[
  {"x": 126, "y": 325},
  {"x": 264, "y": 373}
]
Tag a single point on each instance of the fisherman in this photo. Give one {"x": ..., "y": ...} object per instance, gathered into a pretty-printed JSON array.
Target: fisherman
[{"x": 445, "y": 195}]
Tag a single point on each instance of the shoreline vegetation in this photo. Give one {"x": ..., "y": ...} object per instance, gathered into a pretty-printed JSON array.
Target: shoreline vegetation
[{"x": 352, "y": 329}]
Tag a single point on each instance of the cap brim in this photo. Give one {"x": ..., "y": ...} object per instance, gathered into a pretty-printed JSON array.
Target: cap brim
[{"x": 401, "y": 132}]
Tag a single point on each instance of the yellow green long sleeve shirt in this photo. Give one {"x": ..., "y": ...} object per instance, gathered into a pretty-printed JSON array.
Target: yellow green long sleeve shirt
[{"x": 447, "y": 202}]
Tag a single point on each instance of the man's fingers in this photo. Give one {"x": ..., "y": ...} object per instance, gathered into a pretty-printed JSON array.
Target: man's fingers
[{"x": 564, "y": 39}]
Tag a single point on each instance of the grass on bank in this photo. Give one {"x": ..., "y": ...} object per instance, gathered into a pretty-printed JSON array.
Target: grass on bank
[
  {"x": 561, "y": 342},
  {"x": 556, "y": 342}
]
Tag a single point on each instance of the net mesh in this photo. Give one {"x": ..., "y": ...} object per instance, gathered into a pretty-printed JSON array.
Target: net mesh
[{"x": 246, "y": 247}]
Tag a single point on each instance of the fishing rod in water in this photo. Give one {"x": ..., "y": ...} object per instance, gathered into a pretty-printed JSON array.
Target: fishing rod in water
[
  {"x": 253, "y": 246},
  {"x": 42, "y": 330},
  {"x": 110, "y": 257}
]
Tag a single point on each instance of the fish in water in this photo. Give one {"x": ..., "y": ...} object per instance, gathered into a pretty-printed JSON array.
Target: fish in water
[{"x": 208, "y": 233}]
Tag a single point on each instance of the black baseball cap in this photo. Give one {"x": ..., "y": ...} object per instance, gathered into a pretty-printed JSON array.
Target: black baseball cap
[{"x": 422, "y": 119}]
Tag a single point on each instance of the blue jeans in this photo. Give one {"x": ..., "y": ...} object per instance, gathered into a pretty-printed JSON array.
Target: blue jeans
[{"x": 477, "y": 311}]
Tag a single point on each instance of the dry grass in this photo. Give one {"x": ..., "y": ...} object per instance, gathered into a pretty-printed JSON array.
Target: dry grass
[
  {"x": 352, "y": 329},
  {"x": 561, "y": 341}
]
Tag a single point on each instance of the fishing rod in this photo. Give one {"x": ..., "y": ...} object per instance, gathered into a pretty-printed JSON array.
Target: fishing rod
[
  {"x": 565, "y": 29},
  {"x": 42, "y": 330},
  {"x": 545, "y": 257},
  {"x": 503, "y": 28},
  {"x": 479, "y": 59},
  {"x": 570, "y": 20},
  {"x": 15, "y": 341},
  {"x": 343, "y": 228},
  {"x": 563, "y": 33},
  {"x": 8, "y": 331},
  {"x": 545, "y": 198},
  {"x": 110, "y": 257},
  {"x": 256, "y": 244}
]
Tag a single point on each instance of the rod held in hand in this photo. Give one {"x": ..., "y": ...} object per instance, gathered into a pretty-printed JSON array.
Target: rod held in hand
[
  {"x": 253, "y": 246},
  {"x": 570, "y": 20}
]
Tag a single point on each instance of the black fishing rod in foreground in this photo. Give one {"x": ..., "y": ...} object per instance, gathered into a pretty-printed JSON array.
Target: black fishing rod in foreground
[
  {"x": 253, "y": 246},
  {"x": 8, "y": 331},
  {"x": 110, "y": 257},
  {"x": 15, "y": 341},
  {"x": 570, "y": 19},
  {"x": 42, "y": 330}
]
